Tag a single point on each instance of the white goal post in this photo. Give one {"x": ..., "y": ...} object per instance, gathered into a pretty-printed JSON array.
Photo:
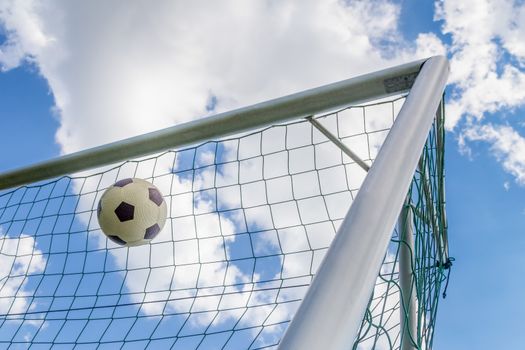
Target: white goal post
[
  {"x": 339, "y": 294},
  {"x": 332, "y": 311}
]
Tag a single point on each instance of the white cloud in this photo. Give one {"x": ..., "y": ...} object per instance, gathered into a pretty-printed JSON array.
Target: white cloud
[
  {"x": 506, "y": 144},
  {"x": 487, "y": 71},
  {"x": 119, "y": 70},
  {"x": 19, "y": 258},
  {"x": 486, "y": 56},
  {"x": 25, "y": 38}
]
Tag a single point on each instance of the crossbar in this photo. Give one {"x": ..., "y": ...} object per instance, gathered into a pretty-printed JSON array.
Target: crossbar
[{"x": 326, "y": 98}]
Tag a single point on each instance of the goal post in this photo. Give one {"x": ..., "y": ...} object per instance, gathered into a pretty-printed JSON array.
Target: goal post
[
  {"x": 354, "y": 258},
  {"x": 281, "y": 230}
]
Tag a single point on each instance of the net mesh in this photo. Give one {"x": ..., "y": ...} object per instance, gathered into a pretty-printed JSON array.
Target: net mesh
[{"x": 249, "y": 220}]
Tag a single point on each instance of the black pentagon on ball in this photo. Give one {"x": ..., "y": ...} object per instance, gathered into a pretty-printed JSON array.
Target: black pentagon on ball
[
  {"x": 155, "y": 196},
  {"x": 125, "y": 211},
  {"x": 123, "y": 182},
  {"x": 117, "y": 240},
  {"x": 99, "y": 209},
  {"x": 152, "y": 232}
]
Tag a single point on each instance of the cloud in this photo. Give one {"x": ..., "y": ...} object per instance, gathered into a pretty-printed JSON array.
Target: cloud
[
  {"x": 146, "y": 67},
  {"x": 487, "y": 58},
  {"x": 507, "y": 145},
  {"x": 25, "y": 38},
  {"x": 487, "y": 79},
  {"x": 19, "y": 258}
]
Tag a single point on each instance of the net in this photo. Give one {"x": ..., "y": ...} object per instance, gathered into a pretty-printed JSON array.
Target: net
[{"x": 249, "y": 221}]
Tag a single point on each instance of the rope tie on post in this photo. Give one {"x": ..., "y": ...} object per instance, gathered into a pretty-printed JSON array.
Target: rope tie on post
[{"x": 447, "y": 265}]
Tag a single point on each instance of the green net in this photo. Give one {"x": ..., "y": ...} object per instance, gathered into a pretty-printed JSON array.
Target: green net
[
  {"x": 249, "y": 221},
  {"x": 395, "y": 319}
]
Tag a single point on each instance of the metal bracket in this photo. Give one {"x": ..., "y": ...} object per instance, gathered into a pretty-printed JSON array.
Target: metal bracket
[{"x": 338, "y": 143}]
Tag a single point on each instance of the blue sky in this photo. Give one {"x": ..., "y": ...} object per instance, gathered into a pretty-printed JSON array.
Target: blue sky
[{"x": 69, "y": 84}]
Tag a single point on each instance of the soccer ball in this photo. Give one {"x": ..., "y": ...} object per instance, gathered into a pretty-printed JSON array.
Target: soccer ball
[{"x": 132, "y": 212}]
